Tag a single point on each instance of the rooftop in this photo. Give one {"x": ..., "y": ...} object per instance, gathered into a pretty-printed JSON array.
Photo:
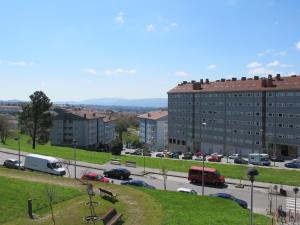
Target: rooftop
[
  {"x": 154, "y": 115},
  {"x": 244, "y": 84}
]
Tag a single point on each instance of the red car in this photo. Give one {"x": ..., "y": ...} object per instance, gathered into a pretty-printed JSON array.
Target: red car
[
  {"x": 95, "y": 177},
  {"x": 200, "y": 154},
  {"x": 211, "y": 176},
  {"x": 214, "y": 158}
]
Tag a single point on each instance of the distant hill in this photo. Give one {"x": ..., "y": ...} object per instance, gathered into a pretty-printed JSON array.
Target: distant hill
[{"x": 148, "y": 102}]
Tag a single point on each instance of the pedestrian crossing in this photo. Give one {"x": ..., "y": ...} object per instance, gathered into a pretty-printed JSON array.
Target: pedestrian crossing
[{"x": 290, "y": 204}]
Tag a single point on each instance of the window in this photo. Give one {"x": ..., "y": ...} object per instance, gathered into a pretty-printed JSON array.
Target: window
[{"x": 183, "y": 142}]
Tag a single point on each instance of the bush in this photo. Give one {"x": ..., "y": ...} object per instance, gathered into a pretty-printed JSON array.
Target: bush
[{"x": 116, "y": 147}]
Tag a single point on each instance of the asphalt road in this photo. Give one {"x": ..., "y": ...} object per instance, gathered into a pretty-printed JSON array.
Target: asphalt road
[{"x": 261, "y": 201}]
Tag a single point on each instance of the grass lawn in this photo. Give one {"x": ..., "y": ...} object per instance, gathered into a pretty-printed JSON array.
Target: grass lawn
[
  {"x": 271, "y": 175},
  {"x": 138, "y": 205},
  {"x": 182, "y": 208},
  {"x": 15, "y": 193}
]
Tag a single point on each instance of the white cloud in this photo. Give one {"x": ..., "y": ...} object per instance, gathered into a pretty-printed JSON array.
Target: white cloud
[
  {"x": 270, "y": 52},
  {"x": 260, "y": 71},
  {"x": 211, "y": 67},
  {"x": 120, "y": 18},
  {"x": 91, "y": 71},
  {"x": 181, "y": 73},
  {"x": 119, "y": 71},
  {"x": 298, "y": 45},
  {"x": 174, "y": 24},
  {"x": 254, "y": 64},
  {"x": 19, "y": 63},
  {"x": 150, "y": 28},
  {"x": 276, "y": 63}
]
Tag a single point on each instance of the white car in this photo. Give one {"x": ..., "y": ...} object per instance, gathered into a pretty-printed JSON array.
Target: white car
[
  {"x": 217, "y": 154},
  {"x": 234, "y": 156},
  {"x": 187, "y": 190},
  {"x": 199, "y": 158}
]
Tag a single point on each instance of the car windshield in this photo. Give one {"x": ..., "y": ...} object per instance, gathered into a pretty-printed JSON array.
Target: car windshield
[
  {"x": 56, "y": 165},
  {"x": 17, "y": 162},
  {"x": 217, "y": 174},
  {"x": 99, "y": 177}
]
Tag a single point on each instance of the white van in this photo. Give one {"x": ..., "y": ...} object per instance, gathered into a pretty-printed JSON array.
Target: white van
[
  {"x": 44, "y": 164},
  {"x": 259, "y": 159}
]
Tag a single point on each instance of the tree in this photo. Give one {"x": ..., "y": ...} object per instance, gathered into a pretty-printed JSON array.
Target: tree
[
  {"x": 4, "y": 128},
  {"x": 116, "y": 147},
  {"x": 50, "y": 193},
  {"x": 35, "y": 118}
]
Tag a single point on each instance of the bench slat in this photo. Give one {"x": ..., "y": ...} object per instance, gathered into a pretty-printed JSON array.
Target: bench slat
[
  {"x": 115, "y": 219},
  {"x": 111, "y": 217}
]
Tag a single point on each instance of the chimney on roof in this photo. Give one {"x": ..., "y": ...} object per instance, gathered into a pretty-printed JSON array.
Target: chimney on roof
[
  {"x": 94, "y": 114},
  {"x": 233, "y": 79},
  {"x": 243, "y": 78},
  {"x": 278, "y": 76},
  {"x": 193, "y": 81},
  {"x": 149, "y": 114},
  {"x": 84, "y": 116},
  {"x": 184, "y": 82},
  {"x": 217, "y": 80},
  {"x": 222, "y": 80},
  {"x": 256, "y": 77},
  {"x": 196, "y": 86},
  {"x": 294, "y": 76},
  {"x": 201, "y": 81},
  {"x": 263, "y": 82},
  {"x": 270, "y": 76},
  {"x": 207, "y": 81}
]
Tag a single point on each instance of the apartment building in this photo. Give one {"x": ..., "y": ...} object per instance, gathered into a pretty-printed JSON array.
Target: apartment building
[
  {"x": 153, "y": 129},
  {"x": 90, "y": 129},
  {"x": 236, "y": 116}
]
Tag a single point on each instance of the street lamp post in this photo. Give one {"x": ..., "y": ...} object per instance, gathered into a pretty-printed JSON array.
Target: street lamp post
[
  {"x": 74, "y": 148},
  {"x": 296, "y": 190},
  {"x": 252, "y": 172},
  {"x": 203, "y": 124},
  {"x": 19, "y": 149}
]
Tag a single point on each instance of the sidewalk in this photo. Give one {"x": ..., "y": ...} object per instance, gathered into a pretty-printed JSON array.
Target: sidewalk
[{"x": 139, "y": 171}]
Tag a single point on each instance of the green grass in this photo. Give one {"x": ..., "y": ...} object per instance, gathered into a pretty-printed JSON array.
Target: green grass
[
  {"x": 15, "y": 193},
  {"x": 138, "y": 205},
  {"x": 270, "y": 175},
  {"x": 182, "y": 208}
]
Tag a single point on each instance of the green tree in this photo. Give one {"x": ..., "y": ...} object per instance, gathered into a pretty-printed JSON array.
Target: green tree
[
  {"x": 121, "y": 126},
  {"x": 116, "y": 147},
  {"x": 35, "y": 118},
  {"x": 4, "y": 128}
]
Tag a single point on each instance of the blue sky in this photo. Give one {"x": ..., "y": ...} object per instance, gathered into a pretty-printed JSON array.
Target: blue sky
[{"x": 74, "y": 50}]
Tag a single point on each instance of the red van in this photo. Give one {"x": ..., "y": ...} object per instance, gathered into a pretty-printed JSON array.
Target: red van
[{"x": 211, "y": 176}]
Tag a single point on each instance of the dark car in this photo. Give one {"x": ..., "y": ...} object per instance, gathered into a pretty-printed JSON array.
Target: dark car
[
  {"x": 159, "y": 155},
  {"x": 13, "y": 163},
  {"x": 95, "y": 177},
  {"x": 175, "y": 155},
  {"x": 240, "y": 161},
  {"x": 138, "y": 183},
  {"x": 292, "y": 165},
  {"x": 187, "y": 155},
  {"x": 241, "y": 202},
  {"x": 118, "y": 173},
  {"x": 277, "y": 159}
]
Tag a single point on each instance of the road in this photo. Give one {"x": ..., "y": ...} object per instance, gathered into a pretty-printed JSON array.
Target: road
[{"x": 261, "y": 201}]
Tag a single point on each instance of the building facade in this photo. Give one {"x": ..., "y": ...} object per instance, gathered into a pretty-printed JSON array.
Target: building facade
[
  {"x": 89, "y": 129},
  {"x": 236, "y": 116},
  {"x": 153, "y": 130}
]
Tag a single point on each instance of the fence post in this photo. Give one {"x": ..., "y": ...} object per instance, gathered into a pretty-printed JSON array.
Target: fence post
[{"x": 30, "y": 209}]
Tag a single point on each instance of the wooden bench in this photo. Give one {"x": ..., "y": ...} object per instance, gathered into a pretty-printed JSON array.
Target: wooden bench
[
  {"x": 111, "y": 217},
  {"x": 130, "y": 163},
  {"x": 104, "y": 192},
  {"x": 115, "y": 162}
]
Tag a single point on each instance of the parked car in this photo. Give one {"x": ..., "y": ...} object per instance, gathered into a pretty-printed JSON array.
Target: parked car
[
  {"x": 259, "y": 159},
  {"x": 187, "y": 155},
  {"x": 44, "y": 164},
  {"x": 241, "y": 202},
  {"x": 160, "y": 155},
  {"x": 118, "y": 173},
  {"x": 187, "y": 190},
  {"x": 277, "y": 159},
  {"x": 214, "y": 158},
  {"x": 240, "y": 161},
  {"x": 13, "y": 164},
  {"x": 234, "y": 156},
  {"x": 136, "y": 152},
  {"x": 146, "y": 154},
  {"x": 292, "y": 165},
  {"x": 296, "y": 160},
  {"x": 138, "y": 183},
  {"x": 211, "y": 176},
  {"x": 175, "y": 155},
  {"x": 200, "y": 158},
  {"x": 95, "y": 177},
  {"x": 218, "y": 154},
  {"x": 200, "y": 154}
]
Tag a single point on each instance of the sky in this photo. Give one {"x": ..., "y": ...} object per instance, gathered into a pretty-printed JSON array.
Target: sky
[{"x": 76, "y": 50}]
